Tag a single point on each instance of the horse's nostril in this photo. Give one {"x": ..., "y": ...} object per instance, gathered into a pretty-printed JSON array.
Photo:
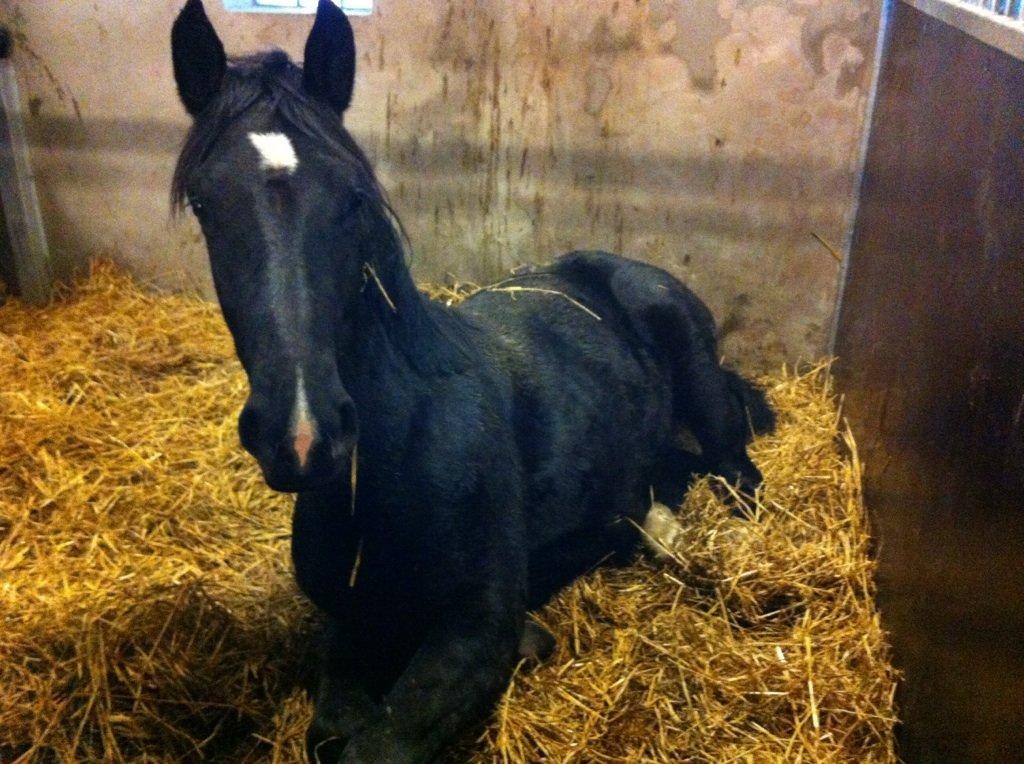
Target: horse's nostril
[{"x": 248, "y": 428}]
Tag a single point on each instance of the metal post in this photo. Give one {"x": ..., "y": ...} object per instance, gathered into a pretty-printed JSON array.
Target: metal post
[{"x": 31, "y": 268}]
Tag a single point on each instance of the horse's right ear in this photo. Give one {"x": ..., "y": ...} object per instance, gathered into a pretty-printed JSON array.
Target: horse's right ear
[
  {"x": 199, "y": 60},
  {"x": 329, "y": 65}
]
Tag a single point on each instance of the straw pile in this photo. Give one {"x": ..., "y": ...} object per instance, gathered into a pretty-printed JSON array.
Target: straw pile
[{"x": 147, "y": 610}]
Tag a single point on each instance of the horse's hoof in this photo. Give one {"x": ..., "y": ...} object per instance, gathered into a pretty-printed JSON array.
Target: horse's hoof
[
  {"x": 746, "y": 479},
  {"x": 742, "y": 508},
  {"x": 747, "y": 487},
  {"x": 536, "y": 644},
  {"x": 661, "y": 531}
]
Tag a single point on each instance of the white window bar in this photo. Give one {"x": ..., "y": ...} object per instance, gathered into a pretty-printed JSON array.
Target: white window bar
[
  {"x": 1013, "y": 9},
  {"x": 351, "y": 7},
  {"x": 999, "y": 23}
]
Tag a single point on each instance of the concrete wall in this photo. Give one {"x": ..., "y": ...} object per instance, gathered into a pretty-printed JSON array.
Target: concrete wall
[{"x": 711, "y": 137}]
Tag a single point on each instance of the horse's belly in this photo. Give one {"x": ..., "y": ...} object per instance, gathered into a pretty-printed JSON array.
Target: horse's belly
[{"x": 590, "y": 438}]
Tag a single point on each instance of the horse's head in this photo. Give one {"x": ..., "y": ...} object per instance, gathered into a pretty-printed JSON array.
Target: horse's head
[{"x": 285, "y": 199}]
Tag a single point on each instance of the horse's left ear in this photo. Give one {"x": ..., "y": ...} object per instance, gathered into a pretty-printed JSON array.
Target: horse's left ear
[{"x": 329, "y": 69}]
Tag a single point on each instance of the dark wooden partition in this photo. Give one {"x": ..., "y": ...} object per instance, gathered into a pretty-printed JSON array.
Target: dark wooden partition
[{"x": 930, "y": 340}]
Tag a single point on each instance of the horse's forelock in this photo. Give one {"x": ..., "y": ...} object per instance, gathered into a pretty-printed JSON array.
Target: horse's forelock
[{"x": 272, "y": 78}]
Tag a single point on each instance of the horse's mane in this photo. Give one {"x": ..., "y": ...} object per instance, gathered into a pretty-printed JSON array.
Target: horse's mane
[{"x": 272, "y": 79}]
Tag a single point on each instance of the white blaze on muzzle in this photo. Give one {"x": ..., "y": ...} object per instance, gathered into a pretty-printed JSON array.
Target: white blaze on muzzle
[
  {"x": 276, "y": 152},
  {"x": 303, "y": 424}
]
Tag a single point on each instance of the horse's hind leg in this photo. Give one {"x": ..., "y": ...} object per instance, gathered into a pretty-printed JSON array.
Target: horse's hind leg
[
  {"x": 751, "y": 400},
  {"x": 706, "y": 399},
  {"x": 704, "y": 404},
  {"x": 718, "y": 406}
]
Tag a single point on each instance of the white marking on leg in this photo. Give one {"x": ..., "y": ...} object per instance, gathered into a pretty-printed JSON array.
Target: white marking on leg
[
  {"x": 276, "y": 151},
  {"x": 661, "y": 530},
  {"x": 303, "y": 424}
]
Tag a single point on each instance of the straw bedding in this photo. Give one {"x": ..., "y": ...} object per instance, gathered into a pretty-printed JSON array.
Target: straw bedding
[{"x": 147, "y": 610}]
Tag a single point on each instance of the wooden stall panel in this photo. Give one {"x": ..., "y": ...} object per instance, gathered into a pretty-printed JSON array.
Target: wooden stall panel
[{"x": 931, "y": 347}]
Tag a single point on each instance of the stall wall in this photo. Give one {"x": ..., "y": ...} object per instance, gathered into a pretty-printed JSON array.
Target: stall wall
[
  {"x": 712, "y": 137},
  {"x": 931, "y": 361}
]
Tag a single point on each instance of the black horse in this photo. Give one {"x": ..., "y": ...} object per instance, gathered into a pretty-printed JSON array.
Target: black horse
[{"x": 454, "y": 466}]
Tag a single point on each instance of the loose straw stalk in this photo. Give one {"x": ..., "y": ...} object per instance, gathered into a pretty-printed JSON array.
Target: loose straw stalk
[{"x": 148, "y": 610}]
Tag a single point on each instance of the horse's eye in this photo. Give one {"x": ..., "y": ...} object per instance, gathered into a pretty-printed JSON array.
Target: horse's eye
[{"x": 195, "y": 204}]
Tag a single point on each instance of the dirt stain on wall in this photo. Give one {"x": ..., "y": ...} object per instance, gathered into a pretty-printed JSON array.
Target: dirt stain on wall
[{"x": 711, "y": 137}]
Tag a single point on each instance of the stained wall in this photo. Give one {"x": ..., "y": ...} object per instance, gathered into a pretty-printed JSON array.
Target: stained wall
[{"x": 715, "y": 138}]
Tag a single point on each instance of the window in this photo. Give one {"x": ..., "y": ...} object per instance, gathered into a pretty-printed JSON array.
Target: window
[
  {"x": 1012, "y": 8},
  {"x": 351, "y": 7},
  {"x": 999, "y": 23}
]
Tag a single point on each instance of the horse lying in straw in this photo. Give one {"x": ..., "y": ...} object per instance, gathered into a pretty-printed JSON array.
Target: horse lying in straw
[{"x": 454, "y": 466}]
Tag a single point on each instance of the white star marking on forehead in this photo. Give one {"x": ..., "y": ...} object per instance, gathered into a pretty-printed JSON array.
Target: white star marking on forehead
[{"x": 276, "y": 151}]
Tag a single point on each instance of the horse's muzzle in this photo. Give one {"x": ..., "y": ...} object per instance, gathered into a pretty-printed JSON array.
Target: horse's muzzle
[{"x": 305, "y": 455}]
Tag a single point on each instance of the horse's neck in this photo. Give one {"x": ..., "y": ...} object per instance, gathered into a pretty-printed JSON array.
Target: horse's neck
[{"x": 398, "y": 341}]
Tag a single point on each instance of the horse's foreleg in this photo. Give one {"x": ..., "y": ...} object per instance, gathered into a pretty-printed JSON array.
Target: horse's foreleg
[
  {"x": 342, "y": 705},
  {"x": 451, "y": 682}
]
